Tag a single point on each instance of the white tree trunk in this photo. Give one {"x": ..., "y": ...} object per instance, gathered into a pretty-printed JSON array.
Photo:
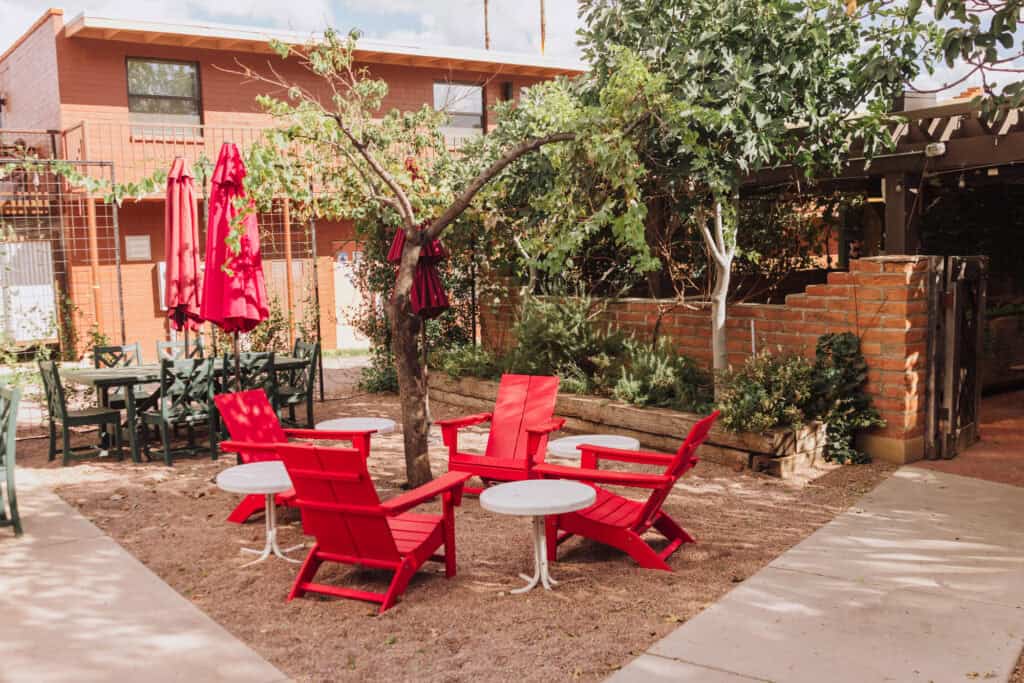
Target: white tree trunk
[
  {"x": 719, "y": 302},
  {"x": 723, "y": 249}
]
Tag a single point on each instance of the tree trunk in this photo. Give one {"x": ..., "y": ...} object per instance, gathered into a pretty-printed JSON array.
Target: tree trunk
[
  {"x": 723, "y": 248},
  {"x": 719, "y": 301},
  {"x": 412, "y": 381}
]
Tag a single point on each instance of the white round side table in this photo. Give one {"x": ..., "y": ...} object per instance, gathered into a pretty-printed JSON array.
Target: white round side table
[
  {"x": 537, "y": 498},
  {"x": 357, "y": 424},
  {"x": 267, "y": 478},
  {"x": 566, "y": 447}
]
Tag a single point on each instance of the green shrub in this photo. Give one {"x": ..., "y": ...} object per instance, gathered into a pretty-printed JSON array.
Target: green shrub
[
  {"x": 655, "y": 375},
  {"x": 560, "y": 337},
  {"x": 840, "y": 374},
  {"x": 467, "y": 361},
  {"x": 767, "y": 392},
  {"x": 379, "y": 376}
]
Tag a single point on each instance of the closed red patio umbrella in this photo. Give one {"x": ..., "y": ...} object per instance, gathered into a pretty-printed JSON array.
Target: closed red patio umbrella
[
  {"x": 181, "y": 250},
  {"x": 428, "y": 297},
  {"x": 235, "y": 298}
]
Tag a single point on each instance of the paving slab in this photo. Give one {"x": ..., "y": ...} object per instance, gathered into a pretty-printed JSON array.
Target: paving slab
[
  {"x": 655, "y": 669},
  {"x": 923, "y": 580},
  {"x": 77, "y": 606}
]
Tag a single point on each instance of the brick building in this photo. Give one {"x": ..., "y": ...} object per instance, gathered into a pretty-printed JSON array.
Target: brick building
[{"x": 123, "y": 98}]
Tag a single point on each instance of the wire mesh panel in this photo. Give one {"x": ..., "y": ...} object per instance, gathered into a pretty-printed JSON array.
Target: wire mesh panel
[
  {"x": 284, "y": 238},
  {"x": 60, "y": 259}
]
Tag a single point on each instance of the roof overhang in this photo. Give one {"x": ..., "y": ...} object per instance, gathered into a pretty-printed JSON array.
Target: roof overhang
[
  {"x": 959, "y": 134},
  {"x": 247, "y": 39}
]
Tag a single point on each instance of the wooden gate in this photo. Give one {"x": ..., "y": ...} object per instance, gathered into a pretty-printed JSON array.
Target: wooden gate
[{"x": 958, "y": 285}]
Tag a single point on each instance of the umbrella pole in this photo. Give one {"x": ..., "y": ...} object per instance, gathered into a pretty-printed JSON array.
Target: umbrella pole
[
  {"x": 238, "y": 364},
  {"x": 426, "y": 378}
]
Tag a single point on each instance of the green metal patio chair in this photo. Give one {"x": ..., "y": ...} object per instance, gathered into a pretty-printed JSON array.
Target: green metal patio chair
[
  {"x": 299, "y": 384},
  {"x": 258, "y": 371},
  {"x": 186, "y": 400},
  {"x": 9, "y": 400},
  {"x": 175, "y": 350},
  {"x": 127, "y": 355},
  {"x": 57, "y": 407}
]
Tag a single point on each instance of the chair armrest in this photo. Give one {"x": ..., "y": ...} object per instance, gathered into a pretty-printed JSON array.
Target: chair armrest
[
  {"x": 327, "y": 435},
  {"x": 451, "y": 482},
  {"x": 450, "y": 428},
  {"x": 535, "y": 433},
  {"x": 466, "y": 421},
  {"x": 591, "y": 454},
  {"x": 243, "y": 447},
  {"x": 360, "y": 439},
  {"x": 634, "y": 479}
]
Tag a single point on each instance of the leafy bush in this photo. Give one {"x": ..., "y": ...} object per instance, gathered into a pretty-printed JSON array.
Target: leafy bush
[
  {"x": 840, "y": 374},
  {"x": 767, "y": 392},
  {"x": 771, "y": 392},
  {"x": 655, "y": 375},
  {"x": 380, "y": 375},
  {"x": 467, "y": 361},
  {"x": 560, "y": 337}
]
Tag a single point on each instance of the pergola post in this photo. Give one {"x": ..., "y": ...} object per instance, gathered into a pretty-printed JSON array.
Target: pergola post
[
  {"x": 289, "y": 284},
  {"x": 94, "y": 260},
  {"x": 901, "y": 212}
]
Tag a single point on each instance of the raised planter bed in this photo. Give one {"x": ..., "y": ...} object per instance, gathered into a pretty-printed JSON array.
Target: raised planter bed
[{"x": 780, "y": 453}]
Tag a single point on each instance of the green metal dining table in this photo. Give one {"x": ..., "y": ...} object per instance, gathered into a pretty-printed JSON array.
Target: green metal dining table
[{"x": 127, "y": 378}]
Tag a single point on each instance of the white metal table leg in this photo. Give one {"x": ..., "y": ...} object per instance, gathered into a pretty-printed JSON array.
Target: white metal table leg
[
  {"x": 540, "y": 561},
  {"x": 270, "y": 521}
]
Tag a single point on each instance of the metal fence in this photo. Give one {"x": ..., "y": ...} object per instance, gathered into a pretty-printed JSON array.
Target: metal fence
[{"x": 60, "y": 259}]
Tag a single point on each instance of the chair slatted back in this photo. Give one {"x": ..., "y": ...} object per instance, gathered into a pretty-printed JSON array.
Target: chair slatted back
[
  {"x": 186, "y": 386},
  {"x": 122, "y": 356},
  {"x": 251, "y": 370},
  {"x": 56, "y": 404},
  {"x": 303, "y": 379},
  {"x": 176, "y": 350},
  {"x": 9, "y": 400},
  {"x": 249, "y": 416},
  {"x": 523, "y": 401},
  {"x": 339, "y": 503},
  {"x": 684, "y": 460}
]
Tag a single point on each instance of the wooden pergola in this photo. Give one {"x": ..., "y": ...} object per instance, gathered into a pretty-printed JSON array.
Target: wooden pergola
[{"x": 949, "y": 140}]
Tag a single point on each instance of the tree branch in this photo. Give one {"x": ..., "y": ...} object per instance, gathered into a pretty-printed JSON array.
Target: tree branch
[
  {"x": 462, "y": 202},
  {"x": 382, "y": 173}
]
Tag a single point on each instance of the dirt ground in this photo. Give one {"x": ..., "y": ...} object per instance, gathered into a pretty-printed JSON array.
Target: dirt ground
[{"x": 467, "y": 628}]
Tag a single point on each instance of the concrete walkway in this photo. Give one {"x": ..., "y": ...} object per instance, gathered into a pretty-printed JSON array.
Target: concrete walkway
[
  {"x": 75, "y": 606},
  {"x": 922, "y": 581}
]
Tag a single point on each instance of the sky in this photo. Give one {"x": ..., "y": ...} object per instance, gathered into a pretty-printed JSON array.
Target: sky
[{"x": 515, "y": 24}]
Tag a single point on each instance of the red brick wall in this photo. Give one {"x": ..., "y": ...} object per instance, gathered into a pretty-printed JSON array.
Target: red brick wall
[
  {"x": 94, "y": 85},
  {"x": 883, "y": 300},
  {"x": 145, "y": 320},
  {"x": 28, "y": 77}
]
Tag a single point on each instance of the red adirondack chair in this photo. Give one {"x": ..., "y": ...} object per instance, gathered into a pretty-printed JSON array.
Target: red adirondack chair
[
  {"x": 618, "y": 521},
  {"x": 341, "y": 509},
  {"x": 520, "y": 424},
  {"x": 255, "y": 434}
]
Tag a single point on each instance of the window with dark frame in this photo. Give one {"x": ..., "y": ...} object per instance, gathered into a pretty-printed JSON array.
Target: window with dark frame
[
  {"x": 464, "y": 105},
  {"x": 164, "y": 98}
]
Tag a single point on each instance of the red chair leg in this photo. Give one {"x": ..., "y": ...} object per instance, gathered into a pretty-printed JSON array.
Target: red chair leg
[
  {"x": 638, "y": 549},
  {"x": 249, "y": 506},
  {"x": 671, "y": 530},
  {"x": 306, "y": 573},
  {"x": 398, "y": 585},
  {"x": 551, "y": 536},
  {"x": 449, "y": 546}
]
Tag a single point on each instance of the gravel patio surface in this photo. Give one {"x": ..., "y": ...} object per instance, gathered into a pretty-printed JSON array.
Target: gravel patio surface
[{"x": 467, "y": 628}]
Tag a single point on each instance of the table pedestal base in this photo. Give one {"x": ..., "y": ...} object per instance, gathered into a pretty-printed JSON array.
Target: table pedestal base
[
  {"x": 540, "y": 561},
  {"x": 271, "y": 545}
]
